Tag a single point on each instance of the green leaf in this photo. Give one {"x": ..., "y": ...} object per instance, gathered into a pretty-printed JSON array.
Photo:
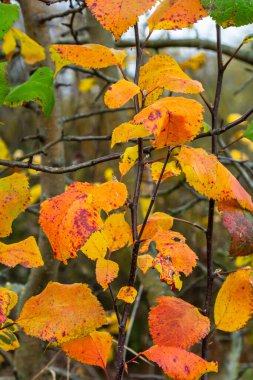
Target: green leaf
[
  {"x": 230, "y": 12},
  {"x": 4, "y": 86},
  {"x": 8, "y": 15},
  {"x": 206, "y": 127},
  {"x": 39, "y": 89},
  {"x": 249, "y": 132}
]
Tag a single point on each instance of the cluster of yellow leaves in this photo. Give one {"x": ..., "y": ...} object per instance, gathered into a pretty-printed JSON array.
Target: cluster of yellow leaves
[
  {"x": 31, "y": 50},
  {"x": 175, "y": 326}
]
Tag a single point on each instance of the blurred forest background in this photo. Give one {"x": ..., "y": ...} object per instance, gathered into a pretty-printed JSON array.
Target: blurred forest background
[{"x": 79, "y": 97}]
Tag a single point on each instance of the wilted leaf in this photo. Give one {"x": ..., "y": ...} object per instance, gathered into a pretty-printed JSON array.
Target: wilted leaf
[
  {"x": 176, "y": 14},
  {"x": 106, "y": 272},
  {"x": 69, "y": 219},
  {"x": 163, "y": 72},
  {"x": 238, "y": 222},
  {"x": 159, "y": 221},
  {"x": 92, "y": 349},
  {"x": 128, "y": 159},
  {"x": 8, "y": 300},
  {"x": 209, "y": 177},
  {"x": 179, "y": 364},
  {"x": 39, "y": 89},
  {"x": 127, "y": 294},
  {"x": 117, "y": 231},
  {"x": 62, "y": 313},
  {"x": 174, "y": 322},
  {"x": 234, "y": 303},
  {"x": 4, "y": 86},
  {"x": 120, "y": 93},
  {"x": 118, "y": 15},
  {"x": 30, "y": 49},
  {"x": 229, "y": 12},
  {"x": 14, "y": 198},
  {"x": 96, "y": 246},
  {"x": 194, "y": 63},
  {"x": 8, "y": 15},
  {"x": 171, "y": 170},
  {"x": 25, "y": 253},
  {"x": 8, "y": 339},
  {"x": 145, "y": 262},
  {"x": 90, "y": 56},
  {"x": 128, "y": 131}
]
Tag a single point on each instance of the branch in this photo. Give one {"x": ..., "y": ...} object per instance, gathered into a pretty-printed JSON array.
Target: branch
[{"x": 63, "y": 14}]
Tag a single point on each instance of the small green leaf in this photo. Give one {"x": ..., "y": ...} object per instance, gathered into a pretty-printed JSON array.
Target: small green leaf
[
  {"x": 249, "y": 132},
  {"x": 206, "y": 127},
  {"x": 8, "y": 15},
  {"x": 248, "y": 39},
  {"x": 230, "y": 12},
  {"x": 39, "y": 89},
  {"x": 4, "y": 86}
]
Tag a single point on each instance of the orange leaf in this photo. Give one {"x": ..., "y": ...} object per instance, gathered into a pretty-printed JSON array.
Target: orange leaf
[
  {"x": 177, "y": 323},
  {"x": 110, "y": 195},
  {"x": 128, "y": 131},
  {"x": 120, "y": 93},
  {"x": 62, "y": 312},
  {"x": 91, "y": 56},
  {"x": 145, "y": 262},
  {"x": 117, "y": 231},
  {"x": 239, "y": 223},
  {"x": 25, "y": 253},
  {"x": 69, "y": 219},
  {"x": 209, "y": 177},
  {"x": 128, "y": 159},
  {"x": 171, "y": 245},
  {"x": 96, "y": 246},
  {"x": 234, "y": 303},
  {"x": 106, "y": 272},
  {"x": 159, "y": 221},
  {"x": 118, "y": 15},
  {"x": 176, "y": 14},
  {"x": 163, "y": 72},
  {"x": 8, "y": 300},
  {"x": 14, "y": 198},
  {"x": 179, "y": 364},
  {"x": 127, "y": 294},
  {"x": 93, "y": 349},
  {"x": 171, "y": 170}
]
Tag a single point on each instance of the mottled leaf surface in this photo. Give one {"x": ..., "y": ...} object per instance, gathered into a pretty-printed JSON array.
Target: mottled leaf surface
[{"x": 106, "y": 272}]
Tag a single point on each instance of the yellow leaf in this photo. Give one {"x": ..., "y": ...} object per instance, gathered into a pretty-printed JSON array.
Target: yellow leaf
[
  {"x": 35, "y": 193},
  {"x": 171, "y": 170},
  {"x": 239, "y": 155},
  {"x": 234, "y": 303},
  {"x": 31, "y": 50},
  {"x": 159, "y": 221},
  {"x": 120, "y": 93},
  {"x": 128, "y": 159},
  {"x": 90, "y": 56},
  {"x": 145, "y": 262},
  {"x": 14, "y": 198},
  {"x": 8, "y": 339},
  {"x": 117, "y": 231},
  {"x": 109, "y": 174},
  {"x": 8, "y": 300},
  {"x": 86, "y": 85},
  {"x": 4, "y": 151},
  {"x": 128, "y": 131},
  {"x": 195, "y": 62},
  {"x": 127, "y": 294},
  {"x": 106, "y": 272},
  {"x": 235, "y": 116},
  {"x": 96, "y": 246}
]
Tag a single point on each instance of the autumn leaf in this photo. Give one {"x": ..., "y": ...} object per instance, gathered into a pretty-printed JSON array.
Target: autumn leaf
[
  {"x": 8, "y": 300},
  {"x": 234, "y": 303},
  {"x": 176, "y": 14},
  {"x": 120, "y": 93},
  {"x": 209, "y": 177},
  {"x": 163, "y": 72},
  {"x": 194, "y": 63},
  {"x": 179, "y": 364},
  {"x": 117, "y": 16},
  {"x": 90, "y": 56},
  {"x": 128, "y": 131},
  {"x": 62, "y": 313},
  {"x": 158, "y": 221},
  {"x": 25, "y": 253},
  {"x": 14, "y": 198},
  {"x": 238, "y": 222},
  {"x": 127, "y": 294},
  {"x": 171, "y": 170},
  {"x": 174, "y": 322},
  {"x": 117, "y": 231},
  {"x": 128, "y": 159},
  {"x": 110, "y": 195},
  {"x": 96, "y": 246},
  {"x": 106, "y": 272},
  {"x": 69, "y": 219},
  {"x": 30, "y": 49},
  {"x": 92, "y": 349},
  {"x": 8, "y": 339},
  {"x": 145, "y": 262}
]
